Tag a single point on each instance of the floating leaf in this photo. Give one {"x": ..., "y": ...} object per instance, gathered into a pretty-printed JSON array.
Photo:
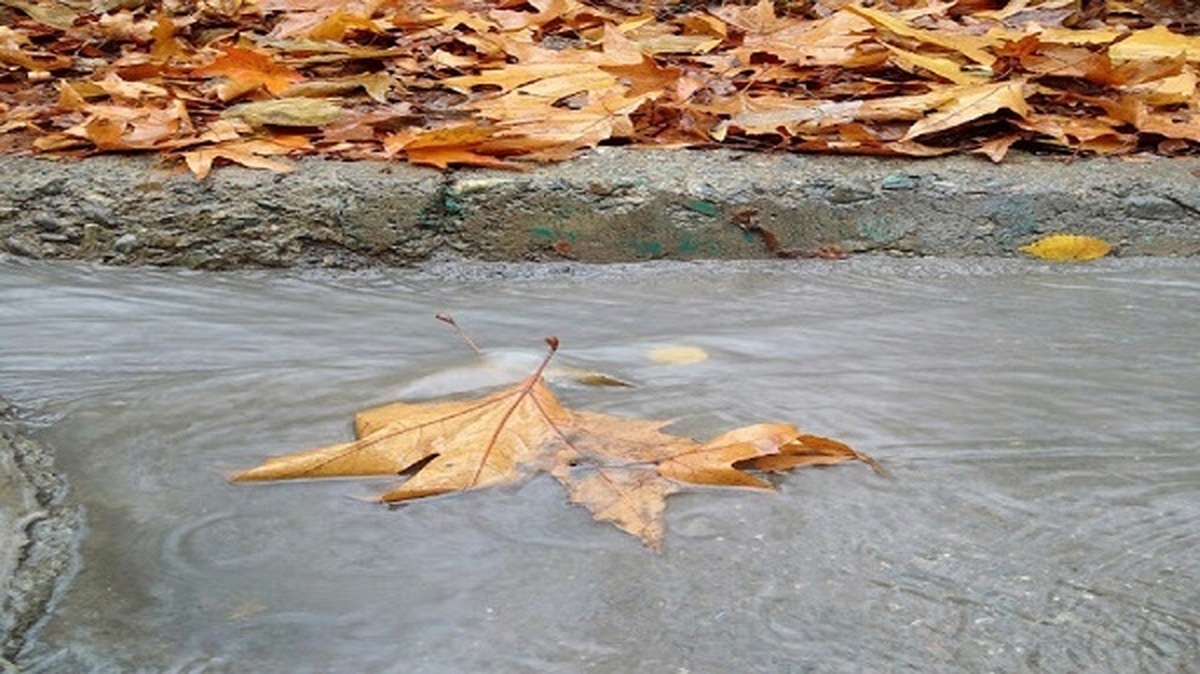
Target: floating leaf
[
  {"x": 1061, "y": 247},
  {"x": 620, "y": 469}
]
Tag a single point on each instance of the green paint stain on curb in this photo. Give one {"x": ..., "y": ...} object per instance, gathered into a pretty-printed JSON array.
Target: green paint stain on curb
[
  {"x": 878, "y": 230},
  {"x": 547, "y": 234},
  {"x": 703, "y": 207},
  {"x": 647, "y": 248},
  {"x": 688, "y": 244}
]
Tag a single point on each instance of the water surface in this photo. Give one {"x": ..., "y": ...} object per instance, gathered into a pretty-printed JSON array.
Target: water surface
[{"x": 1039, "y": 423}]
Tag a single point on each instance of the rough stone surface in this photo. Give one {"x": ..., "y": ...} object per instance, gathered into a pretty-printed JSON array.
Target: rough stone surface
[
  {"x": 123, "y": 210},
  {"x": 622, "y": 205},
  {"x": 613, "y": 205},
  {"x": 38, "y": 534}
]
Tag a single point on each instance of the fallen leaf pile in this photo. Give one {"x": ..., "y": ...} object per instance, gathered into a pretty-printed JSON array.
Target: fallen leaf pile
[
  {"x": 620, "y": 469},
  {"x": 473, "y": 82}
]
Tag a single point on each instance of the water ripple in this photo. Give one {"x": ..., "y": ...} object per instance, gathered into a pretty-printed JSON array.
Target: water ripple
[{"x": 1038, "y": 423}]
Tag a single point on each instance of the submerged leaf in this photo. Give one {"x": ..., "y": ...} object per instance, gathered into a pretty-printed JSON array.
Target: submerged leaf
[{"x": 677, "y": 355}]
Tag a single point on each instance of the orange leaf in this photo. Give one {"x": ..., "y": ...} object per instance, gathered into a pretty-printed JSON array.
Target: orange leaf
[
  {"x": 166, "y": 46},
  {"x": 971, "y": 103},
  {"x": 246, "y": 70},
  {"x": 248, "y": 153},
  {"x": 446, "y": 146},
  {"x": 622, "y": 470}
]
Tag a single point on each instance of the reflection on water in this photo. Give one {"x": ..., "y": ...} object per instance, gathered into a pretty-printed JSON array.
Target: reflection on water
[{"x": 1039, "y": 422}]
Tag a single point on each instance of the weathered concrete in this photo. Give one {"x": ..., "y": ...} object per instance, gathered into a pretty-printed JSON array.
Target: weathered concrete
[
  {"x": 124, "y": 210},
  {"x": 614, "y": 205},
  {"x": 38, "y": 534}
]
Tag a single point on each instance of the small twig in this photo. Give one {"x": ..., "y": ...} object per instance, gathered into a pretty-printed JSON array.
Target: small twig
[{"x": 447, "y": 318}]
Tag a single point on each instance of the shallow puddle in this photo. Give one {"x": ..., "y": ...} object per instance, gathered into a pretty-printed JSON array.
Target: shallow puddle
[{"x": 1040, "y": 424}]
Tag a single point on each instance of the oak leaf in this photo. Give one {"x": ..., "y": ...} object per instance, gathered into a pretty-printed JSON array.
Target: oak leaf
[{"x": 620, "y": 469}]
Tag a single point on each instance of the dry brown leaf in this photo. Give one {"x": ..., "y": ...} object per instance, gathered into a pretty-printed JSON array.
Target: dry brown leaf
[
  {"x": 622, "y": 470},
  {"x": 1158, "y": 42},
  {"x": 546, "y": 79},
  {"x": 971, "y": 103},
  {"x": 950, "y": 70},
  {"x": 248, "y": 153},
  {"x": 55, "y": 14},
  {"x": 971, "y": 46},
  {"x": 300, "y": 112},
  {"x": 246, "y": 70},
  {"x": 446, "y": 146},
  {"x": 996, "y": 148}
]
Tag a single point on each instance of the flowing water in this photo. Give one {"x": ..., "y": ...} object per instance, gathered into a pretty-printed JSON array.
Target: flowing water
[{"x": 1040, "y": 424}]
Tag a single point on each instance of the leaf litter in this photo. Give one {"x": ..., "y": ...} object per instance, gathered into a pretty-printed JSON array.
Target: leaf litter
[
  {"x": 502, "y": 83},
  {"x": 622, "y": 470}
]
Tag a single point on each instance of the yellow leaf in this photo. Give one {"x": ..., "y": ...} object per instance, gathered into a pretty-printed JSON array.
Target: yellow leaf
[
  {"x": 1174, "y": 90},
  {"x": 940, "y": 66},
  {"x": 1061, "y": 247},
  {"x": 971, "y": 46},
  {"x": 376, "y": 85},
  {"x": 510, "y": 77},
  {"x": 1061, "y": 36},
  {"x": 970, "y": 104},
  {"x": 1155, "y": 43},
  {"x": 249, "y": 153}
]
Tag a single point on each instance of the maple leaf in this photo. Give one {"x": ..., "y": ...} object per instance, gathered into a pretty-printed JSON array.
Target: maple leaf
[
  {"x": 246, "y": 70},
  {"x": 447, "y": 145},
  {"x": 1154, "y": 43},
  {"x": 622, "y": 470},
  {"x": 971, "y": 103},
  {"x": 249, "y": 153},
  {"x": 545, "y": 79}
]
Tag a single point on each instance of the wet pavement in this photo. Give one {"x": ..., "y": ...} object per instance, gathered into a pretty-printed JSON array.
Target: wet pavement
[{"x": 1038, "y": 422}]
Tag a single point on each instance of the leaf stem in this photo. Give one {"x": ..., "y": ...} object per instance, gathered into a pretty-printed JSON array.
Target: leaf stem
[{"x": 447, "y": 318}]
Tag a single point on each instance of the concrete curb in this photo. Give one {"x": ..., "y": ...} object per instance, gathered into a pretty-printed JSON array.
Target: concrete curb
[
  {"x": 38, "y": 534},
  {"x": 614, "y": 205}
]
